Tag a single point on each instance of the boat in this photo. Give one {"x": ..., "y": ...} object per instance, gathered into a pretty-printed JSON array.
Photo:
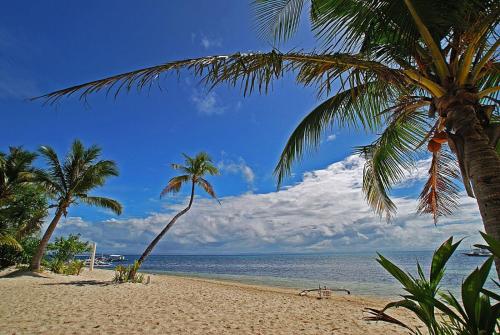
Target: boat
[
  {"x": 98, "y": 262},
  {"x": 116, "y": 258},
  {"x": 478, "y": 252}
]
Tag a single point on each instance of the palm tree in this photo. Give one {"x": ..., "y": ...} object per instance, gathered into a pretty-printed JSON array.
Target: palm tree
[
  {"x": 194, "y": 169},
  {"x": 15, "y": 170},
  {"x": 69, "y": 183},
  {"x": 421, "y": 73}
]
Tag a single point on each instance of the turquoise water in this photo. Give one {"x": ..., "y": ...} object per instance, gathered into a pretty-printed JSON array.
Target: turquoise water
[{"x": 357, "y": 272}]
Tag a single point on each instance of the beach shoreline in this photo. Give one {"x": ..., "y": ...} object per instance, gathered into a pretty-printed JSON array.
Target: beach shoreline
[{"x": 91, "y": 303}]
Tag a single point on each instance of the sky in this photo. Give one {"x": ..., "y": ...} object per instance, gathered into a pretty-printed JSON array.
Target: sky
[{"x": 46, "y": 46}]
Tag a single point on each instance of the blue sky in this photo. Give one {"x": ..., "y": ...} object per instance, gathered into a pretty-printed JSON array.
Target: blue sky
[{"x": 45, "y": 46}]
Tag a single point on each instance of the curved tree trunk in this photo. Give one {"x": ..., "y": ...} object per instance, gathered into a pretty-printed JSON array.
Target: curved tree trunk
[
  {"x": 157, "y": 239},
  {"x": 37, "y": 258},
  {"x": 480, "y": 163}
]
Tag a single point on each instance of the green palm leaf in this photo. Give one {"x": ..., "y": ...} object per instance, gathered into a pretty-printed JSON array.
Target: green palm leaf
[
  {"x": 278, "y": 19},
  {"x": 103, "y": 202},
  {"x": 253, "y": 71},
  {"x": 10, "y": 241},
  {"x": 343, "y": 109},
  {"x": 391, "y": 156}
]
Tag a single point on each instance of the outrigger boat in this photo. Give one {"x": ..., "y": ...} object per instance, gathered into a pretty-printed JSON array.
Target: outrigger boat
[{"x": 478, "y": 252}]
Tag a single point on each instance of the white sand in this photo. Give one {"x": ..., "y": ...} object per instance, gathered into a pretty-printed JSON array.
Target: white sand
[{"x": 91, "y": 304}]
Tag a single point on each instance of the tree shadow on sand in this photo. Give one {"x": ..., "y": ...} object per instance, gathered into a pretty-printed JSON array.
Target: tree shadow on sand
[
  {"x": 23, "y": 273},
  {"x": 84, "y": 283}
]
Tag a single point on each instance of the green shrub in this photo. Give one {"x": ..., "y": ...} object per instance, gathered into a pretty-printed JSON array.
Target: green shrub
[
  {"x": 478, "y": 313},
  {"x": 74, "y": 267},
  {"x": 65, "y": 249},
  {"x": 122, "y": 274},
  {"x": 57, "y": 266},
  {"x": 14, "y": 256},
  {"x": 71, "y": 268}
]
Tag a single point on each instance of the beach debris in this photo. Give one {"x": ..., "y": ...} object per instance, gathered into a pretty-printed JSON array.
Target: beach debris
[
  {"x": 148, "y": 280},
  {"x": 323, "y": 292}
]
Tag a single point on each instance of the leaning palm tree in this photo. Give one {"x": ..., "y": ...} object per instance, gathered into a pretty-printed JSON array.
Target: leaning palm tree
[
  {"x": 193, "y": 171},
  {"x": 69, "y": 183},
  {"x": 423, "y": 74}
]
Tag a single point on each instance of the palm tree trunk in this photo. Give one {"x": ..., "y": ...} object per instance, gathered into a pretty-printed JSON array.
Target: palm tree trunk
[
  {"x": 157, "y": 239},
  {"x": 35, "y": 262},
  {"x": 481, "y": 163}
]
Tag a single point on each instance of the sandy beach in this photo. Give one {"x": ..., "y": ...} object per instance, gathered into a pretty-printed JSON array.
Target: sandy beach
[{"x": 91, "y": 304}]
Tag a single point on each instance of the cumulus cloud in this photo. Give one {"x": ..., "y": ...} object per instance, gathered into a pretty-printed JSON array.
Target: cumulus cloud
[
  {"x": 326, "y": 211},
  {"x": 238, "y": 167}
]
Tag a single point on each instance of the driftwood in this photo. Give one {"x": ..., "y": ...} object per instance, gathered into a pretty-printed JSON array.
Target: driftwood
[{"x": 324, "y": 292}]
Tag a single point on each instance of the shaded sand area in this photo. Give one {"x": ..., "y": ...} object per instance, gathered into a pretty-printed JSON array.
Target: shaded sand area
[{"x": 91, "y": 304}]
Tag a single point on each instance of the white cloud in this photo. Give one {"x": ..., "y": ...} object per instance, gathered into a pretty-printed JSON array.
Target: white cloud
[
  {"x": 207, "y": 103},
  {"x": 205, "y": 41},
  {"x": 331, "y": 137},
  {"x": 326, "y": 211},
  {"x": 238, "y": 167},
  {"x": 209, "y": 43}
]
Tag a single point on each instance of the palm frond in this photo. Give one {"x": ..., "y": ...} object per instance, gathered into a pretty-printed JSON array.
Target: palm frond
[
  {"x": 10, "y": 241},
  {"x": 391, "y": 156},
  {"x": 278, "y": 19},
  {"x": 440, "y": 194},
  {"x": 207, "y": 187},
  {"x": 102, "y": 202},
  {"x": 94, "y": 175},
  {"x": 55, "y": 168},
  {"x": 252, "y": 71},
  {"x": 51, "y": 185},
  {"x": 174, "y": 185},
  {"x": 354, "y": 107}
]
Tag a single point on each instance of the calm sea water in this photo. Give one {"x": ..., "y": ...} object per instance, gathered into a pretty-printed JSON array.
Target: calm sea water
[{"x": 358, "y": 272}]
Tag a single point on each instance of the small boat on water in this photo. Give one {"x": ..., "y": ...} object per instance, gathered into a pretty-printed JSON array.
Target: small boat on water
[
  {"x": 116, "y": 258},
  {"x": 98, "y": 262},
  {"x": 103, "y": 260},
  {"x": 478, "y": 252}
]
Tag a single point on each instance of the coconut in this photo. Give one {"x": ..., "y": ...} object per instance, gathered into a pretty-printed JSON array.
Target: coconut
[{"x": 433, "y": 146}]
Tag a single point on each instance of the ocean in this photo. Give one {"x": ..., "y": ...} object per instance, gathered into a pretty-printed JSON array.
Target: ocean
[{"x": 357, "y": 272}]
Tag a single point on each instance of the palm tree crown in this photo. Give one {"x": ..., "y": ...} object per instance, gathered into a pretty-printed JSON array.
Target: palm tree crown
[
  {"x": 194, "y": 169},
  {"x": 398, "y": 68},
  {"x": 69, "y": 183},
  {"x": 15, "y": 169}
]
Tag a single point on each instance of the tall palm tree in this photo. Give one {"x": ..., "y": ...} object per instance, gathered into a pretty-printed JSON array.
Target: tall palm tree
[
  {"x": 193, "y": 171},
  {"x": 421, "y": 73},
  {"x": 69, "y": 183}
]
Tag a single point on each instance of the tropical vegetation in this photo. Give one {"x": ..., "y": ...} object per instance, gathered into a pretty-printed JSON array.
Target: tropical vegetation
[
  {"x": 66, "y": 248},
  {"x": 422, "y": 74},
  {"x": 69, "y": 183},
  {"x": 193, "y": 173},
  {"x": 128, "y": 274},
  {"x": 441, "y": 312},
  {"x": 21, "y": 205},
  {"x": 63, "y": 251}
]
